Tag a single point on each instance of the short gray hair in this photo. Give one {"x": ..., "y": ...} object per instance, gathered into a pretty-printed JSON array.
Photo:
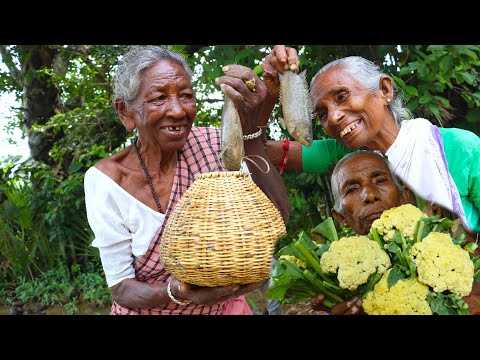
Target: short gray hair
[
  {"x": 334, "y": 182},
  {"x": 128, "y": 76},
  {"x": 368, "y": 74}
]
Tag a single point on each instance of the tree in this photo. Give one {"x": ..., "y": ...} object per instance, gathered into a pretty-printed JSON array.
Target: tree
[{"x": 68, "y": 117}]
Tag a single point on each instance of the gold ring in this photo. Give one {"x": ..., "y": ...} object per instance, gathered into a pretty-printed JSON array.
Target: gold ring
[{"x": 251, "y": 84}]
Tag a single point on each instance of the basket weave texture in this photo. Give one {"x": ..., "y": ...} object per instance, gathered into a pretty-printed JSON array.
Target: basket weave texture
[{"x": 221, "y": 232}]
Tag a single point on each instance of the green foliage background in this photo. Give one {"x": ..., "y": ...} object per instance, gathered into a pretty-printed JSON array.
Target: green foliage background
[{"x": 67, "y": 115}]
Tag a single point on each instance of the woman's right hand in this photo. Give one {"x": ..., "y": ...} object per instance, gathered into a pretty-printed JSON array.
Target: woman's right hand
[
  {"x": 280, "y": 59},
  {"x": 209, "y": 295}
]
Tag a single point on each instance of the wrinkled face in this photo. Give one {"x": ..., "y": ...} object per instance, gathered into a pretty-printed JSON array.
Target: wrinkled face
[
  {"x": 165, "y": 106},
  {"x": 347, "y": 111},
  {"x": 366, "y": 189}
]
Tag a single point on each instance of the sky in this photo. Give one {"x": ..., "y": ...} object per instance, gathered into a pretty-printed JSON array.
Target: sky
[{"x": 21, "y": 148}]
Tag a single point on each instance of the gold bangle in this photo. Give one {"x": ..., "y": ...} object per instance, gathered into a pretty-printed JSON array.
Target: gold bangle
[{"x": 169, "y": 292}]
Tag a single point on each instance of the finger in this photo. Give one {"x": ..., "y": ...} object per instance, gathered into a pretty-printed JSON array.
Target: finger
[
  {"x": 271, "y": 79},
  {"x": 319, "y": 298},
  {"x": 281, "y": 53},
  {"x": 243, "y": 104},
  {"x": 353, "y": 310},
  {"x": 215, "y": 295},
  {"x": 268, "y": 67},
  {"x": 352, "y": 301},
  {"x": 339, "y": 309},
  {"x": 359, "y": 303},
  {"x": 344, "y": 307},
  {"x": 233, "y": 94},
  {"x": 356, "y": 307},
  {"x": 243, "y": 289},
  {"x": 293, "y": 59},
  {"x": 248, "y": 288},
  {"x": 273, "y": 65},
  {"x": 236, "y": 83},
  {"x": 316, "y": 303},
  {"x": 239, "y": 71},
  {"x": 226, "y": 291},
  {"x": 251, "y": 80}
]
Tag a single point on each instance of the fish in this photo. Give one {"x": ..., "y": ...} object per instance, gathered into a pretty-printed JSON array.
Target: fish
[
  {"x": 233, "y": 149},
  {"x": 297, "y": 106}
]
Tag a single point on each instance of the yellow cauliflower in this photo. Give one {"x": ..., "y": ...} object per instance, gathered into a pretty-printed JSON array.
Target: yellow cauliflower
[
  {"x": 402, "y": 218},
  {"x": 443, "y": 265},
  {"x": 406, "y": 297},
  {"x": 300, "y": 263},
  {"x": 355, "y": 258}
]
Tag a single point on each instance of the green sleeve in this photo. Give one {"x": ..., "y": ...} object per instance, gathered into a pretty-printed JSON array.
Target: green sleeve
[
  {"x": 462, "y": 150},
  {"x": 322, "y": 154}
]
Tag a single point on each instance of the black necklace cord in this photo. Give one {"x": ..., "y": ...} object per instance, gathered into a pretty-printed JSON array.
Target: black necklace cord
[{"x": 147, "y": 174}]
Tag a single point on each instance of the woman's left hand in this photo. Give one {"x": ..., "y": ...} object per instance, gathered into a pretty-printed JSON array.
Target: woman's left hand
[{"x": 248, "y": 93}]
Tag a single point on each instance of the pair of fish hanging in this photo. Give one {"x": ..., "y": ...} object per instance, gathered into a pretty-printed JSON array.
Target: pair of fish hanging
[{"x": 297, "y": 118}]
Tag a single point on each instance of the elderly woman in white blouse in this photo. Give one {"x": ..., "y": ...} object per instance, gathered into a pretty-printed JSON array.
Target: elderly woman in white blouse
[{"x": 130, "y": 195}]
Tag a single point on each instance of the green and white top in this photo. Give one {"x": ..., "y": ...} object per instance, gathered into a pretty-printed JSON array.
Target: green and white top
[{"x": 457, "y": 152}]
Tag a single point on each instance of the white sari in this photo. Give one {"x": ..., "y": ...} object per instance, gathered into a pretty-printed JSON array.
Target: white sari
[{"x": 418, "y": 159}]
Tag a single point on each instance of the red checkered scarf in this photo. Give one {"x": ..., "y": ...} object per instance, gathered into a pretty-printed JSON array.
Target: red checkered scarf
[{"x": 200, "y": 154}]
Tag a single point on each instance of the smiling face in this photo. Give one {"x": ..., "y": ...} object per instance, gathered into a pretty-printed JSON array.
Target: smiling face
[
  {"x": 366, "y": 188},
  {"x": 165, "y": 107},
  {"x": 348, "y": 111}
]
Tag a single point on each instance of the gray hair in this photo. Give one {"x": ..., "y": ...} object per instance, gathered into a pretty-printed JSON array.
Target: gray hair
[
  {"x": 334, "y": 182},
  {"x": 368, "y": 74},
  {"x": 128, "y": 76}
]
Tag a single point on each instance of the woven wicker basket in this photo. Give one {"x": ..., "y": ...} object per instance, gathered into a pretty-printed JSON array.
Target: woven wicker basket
[{"x": 222, "y": 232}]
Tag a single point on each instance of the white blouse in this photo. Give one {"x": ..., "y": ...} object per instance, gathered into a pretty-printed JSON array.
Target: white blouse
[{"x": 123, "y": 226}]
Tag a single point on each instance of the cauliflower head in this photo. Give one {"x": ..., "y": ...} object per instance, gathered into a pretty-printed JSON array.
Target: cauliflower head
[
  {"x": 402, "y": 218},
  {"x": 355, "y": 258},
  {"x": 300, "y": 263},
  {"x": 443, "y": 265},
  {"x": 406, "y": 297}
]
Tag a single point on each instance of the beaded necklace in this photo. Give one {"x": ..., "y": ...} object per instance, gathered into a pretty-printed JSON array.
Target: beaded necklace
[{"x": 149, "y": 178}]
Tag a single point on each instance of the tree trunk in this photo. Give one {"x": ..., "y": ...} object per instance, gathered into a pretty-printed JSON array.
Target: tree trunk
[{"x": 40, "y": 96}]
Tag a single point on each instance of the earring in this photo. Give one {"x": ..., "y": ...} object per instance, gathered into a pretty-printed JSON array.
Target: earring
[{"x": 388, "y": 100}]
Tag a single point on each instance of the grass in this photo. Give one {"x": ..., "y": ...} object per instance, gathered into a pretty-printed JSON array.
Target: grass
[{"x": 67, "y": 287}]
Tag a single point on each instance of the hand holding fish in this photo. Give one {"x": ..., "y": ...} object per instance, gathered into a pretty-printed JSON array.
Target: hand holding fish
[
  {"x": 280, "y": 59},
  {"x": 280, "y": 69},
  {"x": 247, "y": 92}
]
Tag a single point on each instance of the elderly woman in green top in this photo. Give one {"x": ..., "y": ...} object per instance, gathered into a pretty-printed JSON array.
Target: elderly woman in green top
[{"x": 360, "y": 108}]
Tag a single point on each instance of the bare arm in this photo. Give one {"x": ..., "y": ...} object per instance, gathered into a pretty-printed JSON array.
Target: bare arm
[
  {"x": 135, "y": 294},
  {"x": 139, "y": 295},
  {"x": 271, "y": 183},
  {"x": 280, "y": 59},
  {"x": 274, "y": 151},
  {"x": 251, "y": 108}
]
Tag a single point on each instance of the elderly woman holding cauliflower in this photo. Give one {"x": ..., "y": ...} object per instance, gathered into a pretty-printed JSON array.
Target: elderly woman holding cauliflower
[
  {"x": 367, "y": 196},
  {"x": 363, "y": 188}
]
